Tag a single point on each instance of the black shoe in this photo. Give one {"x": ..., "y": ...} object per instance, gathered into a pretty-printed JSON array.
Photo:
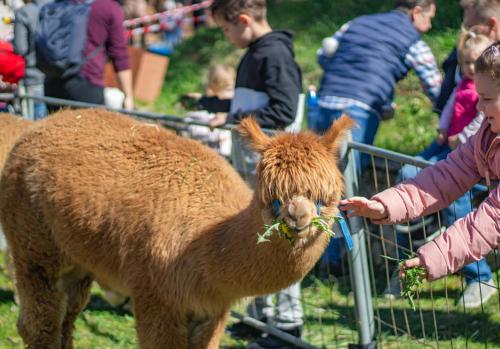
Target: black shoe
[
  {"x": 241, "y": 330},
  {"x": 272, "y": 342}
]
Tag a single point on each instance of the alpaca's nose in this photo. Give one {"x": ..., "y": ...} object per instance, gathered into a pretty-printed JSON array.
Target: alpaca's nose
[{"x": 300, "y": 212}]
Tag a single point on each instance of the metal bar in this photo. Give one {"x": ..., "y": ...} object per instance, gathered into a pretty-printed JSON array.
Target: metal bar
[
  {"x": 388, "y": 154},
  {"x": 358, "y": 261},
  {"x": 272, "y": 330}
]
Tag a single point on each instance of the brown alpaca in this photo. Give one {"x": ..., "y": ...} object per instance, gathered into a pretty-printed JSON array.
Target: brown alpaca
[
  {"x": 11, "y": 127},
  {"x": 90, "y": 194}
]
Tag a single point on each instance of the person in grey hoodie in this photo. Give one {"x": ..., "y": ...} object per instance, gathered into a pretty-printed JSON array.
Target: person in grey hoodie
[{"x": 25, "y": 26}]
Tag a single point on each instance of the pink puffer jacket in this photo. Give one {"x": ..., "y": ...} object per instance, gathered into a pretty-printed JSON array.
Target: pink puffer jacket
[{"x": 436, "y": 187}]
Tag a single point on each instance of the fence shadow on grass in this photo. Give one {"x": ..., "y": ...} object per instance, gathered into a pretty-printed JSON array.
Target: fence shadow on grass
[{"x": 453, "y": 325}]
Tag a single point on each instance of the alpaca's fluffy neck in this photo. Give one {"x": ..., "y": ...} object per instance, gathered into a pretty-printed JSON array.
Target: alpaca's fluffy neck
[{"x": 242, "y": 267}]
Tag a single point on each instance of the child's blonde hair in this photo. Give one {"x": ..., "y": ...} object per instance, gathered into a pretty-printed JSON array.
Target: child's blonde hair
[
  {"x": 469, "y": 40},
  {"x": 221, "y": 77},
  {"x": 489, "y": 62}
]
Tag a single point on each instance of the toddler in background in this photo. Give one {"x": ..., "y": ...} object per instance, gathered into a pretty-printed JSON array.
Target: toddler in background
[
  {"x": 218, "y": 95},
  {"x": 461, "y": 108}
]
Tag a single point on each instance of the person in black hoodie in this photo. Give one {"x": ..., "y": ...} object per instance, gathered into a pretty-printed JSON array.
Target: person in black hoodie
[{"x": 268, "y": 84}]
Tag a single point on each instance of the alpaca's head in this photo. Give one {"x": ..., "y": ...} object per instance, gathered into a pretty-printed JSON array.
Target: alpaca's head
[{"x": 297, "y": 174}]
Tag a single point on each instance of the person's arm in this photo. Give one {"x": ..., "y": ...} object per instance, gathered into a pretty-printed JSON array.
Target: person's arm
[
  {"x": 421, "y": 59},
  {"x": 467, "y": 240},
  {"x": 434, "y": 188},
  {"x": 125, "y": 82},
  {"x": 324, "y": 54},
  {"x": 118, "y": 54},
  {"x": 450, "y": 80},
  {"x": 21, "y": 33},
  {"x": 447, "y": 113},
  {"x": 214, "y": 104}
]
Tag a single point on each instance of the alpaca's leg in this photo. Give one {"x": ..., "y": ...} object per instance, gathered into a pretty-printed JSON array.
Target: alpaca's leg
[
  {"x": 207, "y": 334},
  {"x": 158, "y": 326},
  {"x": 42, "y": 306},
  {"x": 76, "y": 286}
]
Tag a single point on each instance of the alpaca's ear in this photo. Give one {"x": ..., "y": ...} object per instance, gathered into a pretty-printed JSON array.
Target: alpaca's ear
[
  {"x": 334, "y": 136},
  {"x": 252, "y": 133}
]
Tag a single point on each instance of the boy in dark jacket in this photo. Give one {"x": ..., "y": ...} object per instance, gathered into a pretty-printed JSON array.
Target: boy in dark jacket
[{"x": 268, "y": 84}]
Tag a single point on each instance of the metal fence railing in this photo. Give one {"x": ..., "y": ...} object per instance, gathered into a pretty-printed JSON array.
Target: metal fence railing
[{"x": 345, "y": 303}]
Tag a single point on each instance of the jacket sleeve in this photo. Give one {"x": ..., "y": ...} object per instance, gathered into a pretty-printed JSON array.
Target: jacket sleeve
[
  {"x": 472, "y": 128},
  {"x": 214, "y": 104},
  {"x": 117, "y": 42},
  {"x": 449, "y": 81},
  {"x": 21, "y": 40},
  {"x": 447, "y": 113},
  {"x": 434, "y": 188},
  {"x": 282, "y": 83},
  {"x": 467, "y": 240}
]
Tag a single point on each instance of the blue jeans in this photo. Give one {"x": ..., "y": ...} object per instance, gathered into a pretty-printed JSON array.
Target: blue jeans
[
  {"x": 367, "y": 123},
  {"x": 474, "y": 272}
]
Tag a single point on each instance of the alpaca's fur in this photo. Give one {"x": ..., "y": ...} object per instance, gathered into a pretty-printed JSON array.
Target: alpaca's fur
[
  {"x": 90, "y": 194},
  {"x": 11, "y": 127}
]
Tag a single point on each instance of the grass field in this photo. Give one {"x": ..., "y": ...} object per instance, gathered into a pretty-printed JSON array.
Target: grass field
[
  {"x": 329, "y": 318},
  {"x": 328, "y": 306}
]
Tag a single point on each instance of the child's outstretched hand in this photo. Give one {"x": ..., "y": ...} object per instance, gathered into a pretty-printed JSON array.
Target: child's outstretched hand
[
  {"x": 415, "y": 262},
  {"x": 360, "y": 206}
]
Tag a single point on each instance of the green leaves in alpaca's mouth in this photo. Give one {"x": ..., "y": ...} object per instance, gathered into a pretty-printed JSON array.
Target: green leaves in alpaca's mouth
[{"x": 282, "y": 230}]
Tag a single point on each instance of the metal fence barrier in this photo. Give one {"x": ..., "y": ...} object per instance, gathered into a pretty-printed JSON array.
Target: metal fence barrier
[{"x": 346, "y": 307}]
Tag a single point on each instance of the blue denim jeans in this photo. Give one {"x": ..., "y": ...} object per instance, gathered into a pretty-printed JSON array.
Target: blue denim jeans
[
  {"x": 367, "y": 123},
  {"x": 474, "y": 272}
]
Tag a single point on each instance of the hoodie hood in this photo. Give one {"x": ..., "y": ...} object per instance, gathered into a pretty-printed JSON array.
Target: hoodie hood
[{"x": 276, "y": 36}]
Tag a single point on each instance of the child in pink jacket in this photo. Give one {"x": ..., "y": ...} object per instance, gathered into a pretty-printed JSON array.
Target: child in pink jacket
[
  {"x": 435, "y": 187},
  {"x": 461, "y": 109}
]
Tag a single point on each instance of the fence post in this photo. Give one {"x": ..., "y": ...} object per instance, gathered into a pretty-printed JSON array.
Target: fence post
[{"x": 358, "y": 262}]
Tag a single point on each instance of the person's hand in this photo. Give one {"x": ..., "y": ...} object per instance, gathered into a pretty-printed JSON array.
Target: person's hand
[
  {"x": 441, "y": 137},
  {"x": 453, "y": 141},
  {"x": 218, "y": 120},
  {"x": 128, "y": 103},
  {"x": 410, "y": 263},
  {"x": 360, "y": 206},
  {"x": 6, "y": 86}
]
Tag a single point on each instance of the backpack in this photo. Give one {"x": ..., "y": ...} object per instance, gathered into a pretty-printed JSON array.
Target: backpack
[{"x": 61, "y": 37}]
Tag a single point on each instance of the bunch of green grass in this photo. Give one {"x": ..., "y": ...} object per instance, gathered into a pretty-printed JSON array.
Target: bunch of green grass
[
  {"x": 413, "y": 281},
  {"x": 323, "y": 223}
]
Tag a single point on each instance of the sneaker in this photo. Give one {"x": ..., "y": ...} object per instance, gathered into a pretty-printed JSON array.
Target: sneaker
[
  {"x": 240, "y": 330},
  {"x": 476, "y": 293},
  {"x": 272, "y": 342},
  {"x": 393, "y": 291}
]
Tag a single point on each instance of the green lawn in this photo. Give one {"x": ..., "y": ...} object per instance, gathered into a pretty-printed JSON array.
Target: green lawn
[
  {"x": 329, "y": 318},
  {"x": 328, "y": 306}
]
